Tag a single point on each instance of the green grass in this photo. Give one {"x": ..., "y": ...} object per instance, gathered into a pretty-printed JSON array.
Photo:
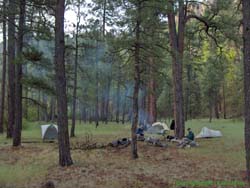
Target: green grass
[{"x": 35, "y": 163}]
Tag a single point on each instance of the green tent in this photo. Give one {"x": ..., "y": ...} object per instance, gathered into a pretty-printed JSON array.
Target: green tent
[{"x": 49, "y": 132}]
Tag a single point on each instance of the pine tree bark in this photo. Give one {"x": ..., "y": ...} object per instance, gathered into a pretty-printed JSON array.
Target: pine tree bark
[
  {"x": 11, "y": 67},
  {"x": 2, "y": 100},
  {"x": 246, "y": 52},
  {"x": 62, "y": 119},
  {"x": 151, "y": 106},
  {"x": 134, "y": 153},
  {"x": 18, "y": 85},
  {"x": 177, "y": 49}
]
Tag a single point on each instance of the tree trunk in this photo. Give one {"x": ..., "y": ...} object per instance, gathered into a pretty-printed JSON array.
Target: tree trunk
[
  {"x": 103, "y": 105},
  {"x": 224, "y": 102},
  {"x": 143, "y": 106},
  {"x": 210, "y": 110},
  {"x": 216, "y": 106},
  {"x": 11, "y": 67},
  {"x": 62, "y": 118},
  {"x": 187, "y": 107},
  {"x": 97, "y": 91},
  {"x": 151, "y": 106},
  {"x": 2, "y": 100},
  {"x": 25, "y": 113},
  {"x": 124, "y": 105},
  {"x": 52, "y": 110},
  {"x": 118, "y": 97},
  {"x": 246, "y": 43},
  {"x": 45, "y": 109},
  {"x": 107, "y": 100},
  {"x": 134, "y": 153},
  {"x": 177, "y": 48},
  {"x": 38, "y": 107},
  {"x": 72, "y": 132},
  {"x": 18, "y": 90}
]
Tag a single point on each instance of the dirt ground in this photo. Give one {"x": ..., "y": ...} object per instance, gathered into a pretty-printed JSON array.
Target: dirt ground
[{"x": 113, "y": 168}]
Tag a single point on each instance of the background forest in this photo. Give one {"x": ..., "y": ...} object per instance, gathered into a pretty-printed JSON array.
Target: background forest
[
  {"x": 94, "y": 65},
  {"x": 99, "y": 62}
]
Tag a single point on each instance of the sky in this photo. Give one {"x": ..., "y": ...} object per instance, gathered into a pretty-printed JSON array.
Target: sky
[{"x": 71, "y": 17}]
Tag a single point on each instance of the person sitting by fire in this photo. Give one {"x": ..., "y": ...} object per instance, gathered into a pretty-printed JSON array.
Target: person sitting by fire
[{"x": 140, "y": 133}]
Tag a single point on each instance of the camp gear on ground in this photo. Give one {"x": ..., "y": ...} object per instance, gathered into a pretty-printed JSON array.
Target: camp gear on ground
[
  {"x": 170, "y": 137},
  {"x": 140, "y": 138},
  {"x": 155, "y": 142},
  {"x": 187, "y": 143},
  {"x": 120, "y": 142}
]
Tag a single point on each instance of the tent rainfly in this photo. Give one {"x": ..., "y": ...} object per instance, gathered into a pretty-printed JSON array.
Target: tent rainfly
[
  {"x": 49, "y": 132},
  {"x": 208, "y": 133}
]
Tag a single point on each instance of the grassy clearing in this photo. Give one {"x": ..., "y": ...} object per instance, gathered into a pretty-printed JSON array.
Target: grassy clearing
[{"x": 33, "y": 164}]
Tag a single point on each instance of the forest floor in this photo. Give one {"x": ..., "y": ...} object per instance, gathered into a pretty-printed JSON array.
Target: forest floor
[{"x": 215, "y": 163}]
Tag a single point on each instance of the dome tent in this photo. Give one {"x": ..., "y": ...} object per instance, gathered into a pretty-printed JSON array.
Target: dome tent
[
  {"x": 158, "y": 128},
  {"x": 49, "y": 132},
  {"x": 208, "y": 133}
]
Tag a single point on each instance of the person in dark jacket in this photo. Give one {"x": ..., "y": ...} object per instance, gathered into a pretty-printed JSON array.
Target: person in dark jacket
[
  {"x": 187, "y": 139},
  {"x": 190, "y": 134},
  {"x": 172, "y": 125}
]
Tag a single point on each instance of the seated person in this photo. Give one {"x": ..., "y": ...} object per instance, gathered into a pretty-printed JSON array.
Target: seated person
[
  {"x": 190, "y": 135},
  {"x": 187, "y": 139},
  {"x": 140, "y": 131},
  {"x": 140, "y": 134}
]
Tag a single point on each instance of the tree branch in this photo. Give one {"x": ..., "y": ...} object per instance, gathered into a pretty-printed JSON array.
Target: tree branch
[{"x": 207, "y": 26}]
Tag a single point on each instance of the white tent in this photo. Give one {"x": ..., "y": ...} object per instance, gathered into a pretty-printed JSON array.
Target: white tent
[
  {"x": 164, "y": 125},
  {"x": 158, "y": 128},
  {"x": 208, "y": 133},
  {"x": 49, "y": 131}
]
